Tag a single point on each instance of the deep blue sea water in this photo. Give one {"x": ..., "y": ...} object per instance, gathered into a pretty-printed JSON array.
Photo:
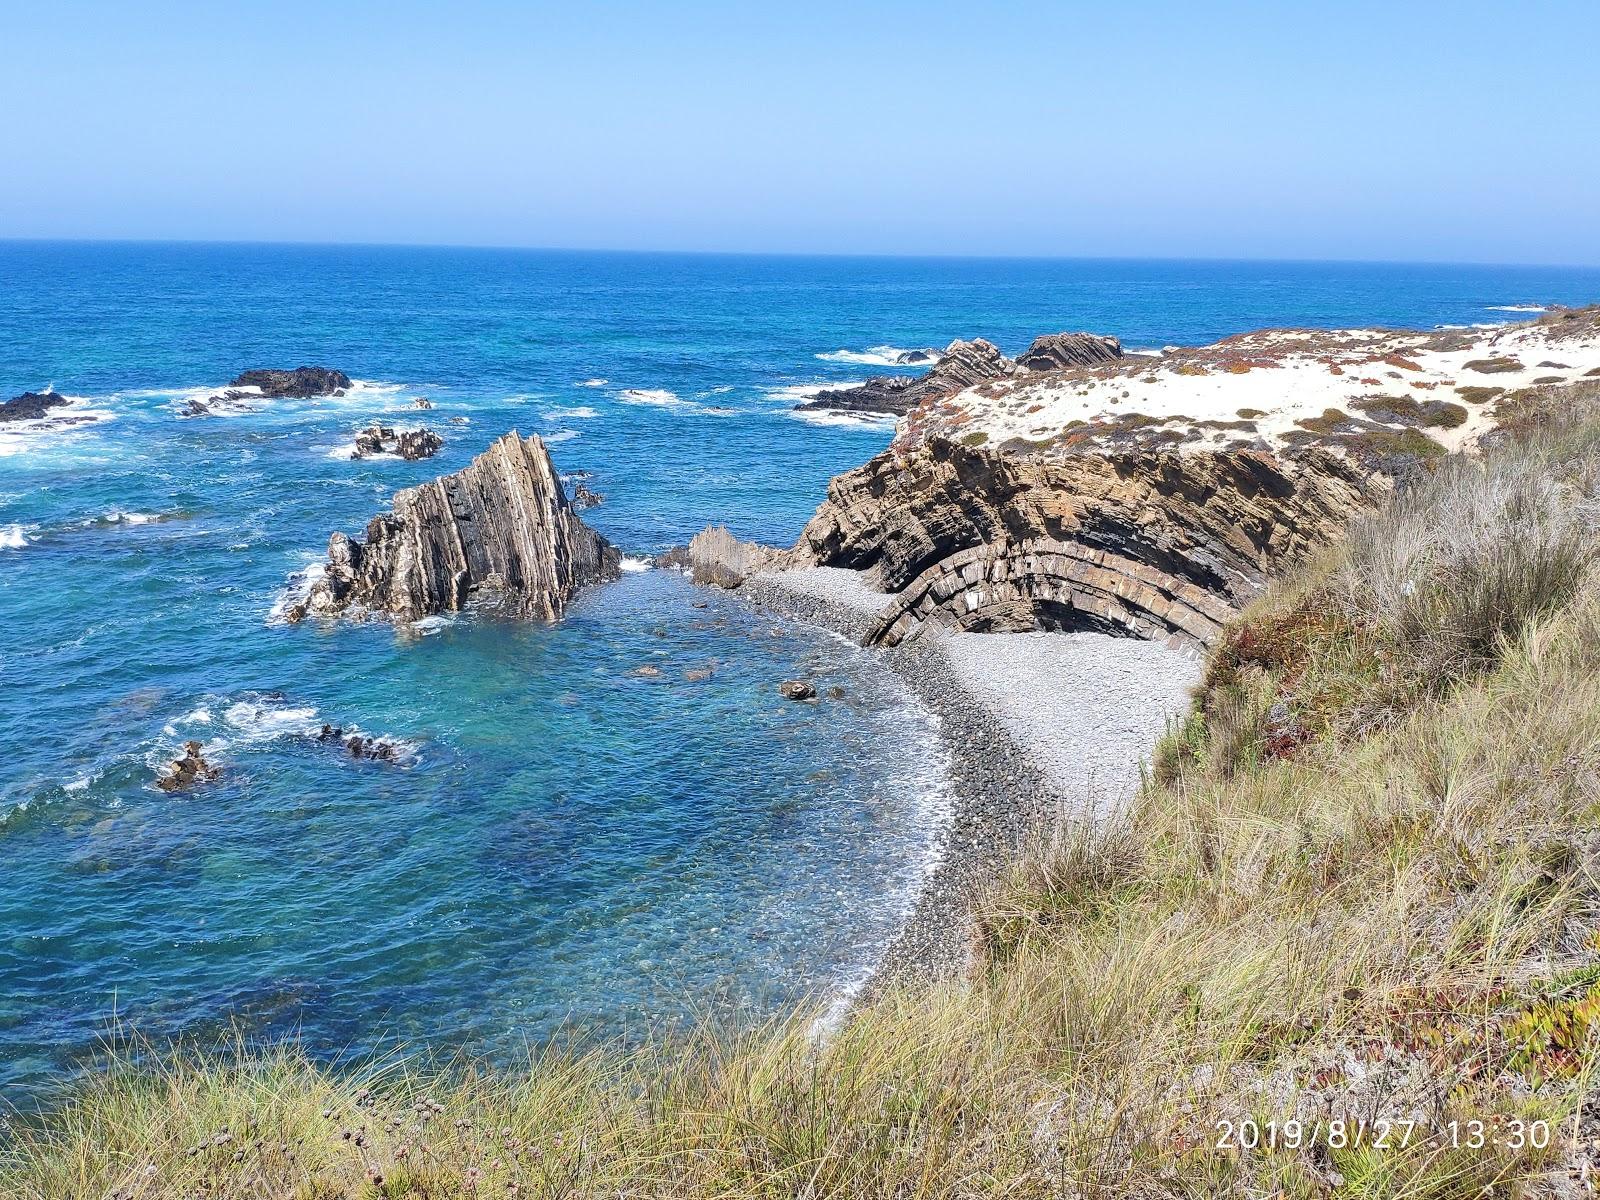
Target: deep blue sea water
[{"x": 567, "y": 841}]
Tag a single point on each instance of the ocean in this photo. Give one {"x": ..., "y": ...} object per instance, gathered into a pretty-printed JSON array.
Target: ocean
[{"x": 564, "y": 843}]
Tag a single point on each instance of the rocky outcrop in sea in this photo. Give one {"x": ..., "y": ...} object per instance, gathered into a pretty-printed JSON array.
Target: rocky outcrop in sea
[
  {"x": 499, "y": 532},
  {"x": 409, "y": 444},
  {"x": 301, "y": 383},
  {"x": 1058, "y": 351},
  {"x": 30, "y": 406}
]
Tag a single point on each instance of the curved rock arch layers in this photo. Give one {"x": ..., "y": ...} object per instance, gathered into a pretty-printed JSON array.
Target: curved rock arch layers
[{"x": 1151, "y": 543}]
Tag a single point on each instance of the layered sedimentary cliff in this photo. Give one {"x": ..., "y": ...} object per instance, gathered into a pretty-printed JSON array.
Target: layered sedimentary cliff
[
  {"x": 1153, "y": 495},
  {"x": 499, "y": 531},
  {"x": 1152, "y": 544},
  {"x": 964, "y": 365}
]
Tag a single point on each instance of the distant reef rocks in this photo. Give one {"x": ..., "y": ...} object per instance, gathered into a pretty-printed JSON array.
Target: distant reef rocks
[
  {"x": 500, "y": 532},
  {"x": 30, "y": 406},
  {"x": 963, "y": 364},
  {"x": 301, "y": 383},
  {"x": 409, "y": 444},
  {"x": 188, "y": 771}
]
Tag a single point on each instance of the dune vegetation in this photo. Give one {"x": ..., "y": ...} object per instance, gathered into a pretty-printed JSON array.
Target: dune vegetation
[{"x": 1345, "y": 942}]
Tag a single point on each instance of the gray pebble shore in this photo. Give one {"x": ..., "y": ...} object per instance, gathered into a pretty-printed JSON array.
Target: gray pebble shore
[{"x": 1039, "y": 727}]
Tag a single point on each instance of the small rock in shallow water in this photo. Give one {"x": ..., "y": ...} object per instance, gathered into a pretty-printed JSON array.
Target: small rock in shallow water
[
  {"x": 699, "y": 674},
  {"x": 836, "y": 692},
  {"x": 797, "y": 689},
  {"x": 188, "y": 770},
  {"x": 646, "y": 671}
]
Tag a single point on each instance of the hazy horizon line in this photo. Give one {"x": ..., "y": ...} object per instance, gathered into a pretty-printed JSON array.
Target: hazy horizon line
[{"x": 297, "y": 243}]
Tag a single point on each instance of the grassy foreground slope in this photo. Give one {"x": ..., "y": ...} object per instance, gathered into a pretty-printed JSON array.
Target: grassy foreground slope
[{"x": 1362, "y": 884}]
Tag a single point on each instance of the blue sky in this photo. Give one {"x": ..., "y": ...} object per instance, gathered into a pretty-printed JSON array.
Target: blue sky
[{"x": 1404, "y": 130}]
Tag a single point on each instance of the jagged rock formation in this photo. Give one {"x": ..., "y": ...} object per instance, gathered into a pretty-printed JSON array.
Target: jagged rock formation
[
  {"x": 1153, "y": 544},
  {"x": 186, "y": 772},
  {"x": 585, "y": 497},
  {"x": 714, "y": 556},
  {"x": 500, "y": 530},
  {"x": 299, "y": 384},
  {"x": 409, "y": 444},
  {"x": 30, "y": 406},
  {"x": 962, "y": 365},
  {"x": 1058, "y": 351}
]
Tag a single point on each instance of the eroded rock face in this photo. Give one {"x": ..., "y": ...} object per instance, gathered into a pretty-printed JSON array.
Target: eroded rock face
[
  {"x": 716, "y": 557},
  {"x": 1058, "y": 351},
  {"x": 499, "y": 530},
  {"x": 409, "y": 444},
  {"x": 300, "y": 384},
  {"x": 30, "y": 406},
  {"x": 1145, "y": 543},
  {"x": 962, "y": 365}
]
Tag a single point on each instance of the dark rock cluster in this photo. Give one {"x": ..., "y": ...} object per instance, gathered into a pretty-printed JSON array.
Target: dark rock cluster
[
  {"x": 186, "y": 772},
  {"x": 30, "y": 406},
  {"x": 409, "y": 444}
]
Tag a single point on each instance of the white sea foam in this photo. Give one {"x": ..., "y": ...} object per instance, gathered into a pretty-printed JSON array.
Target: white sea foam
[
  {"x": 581, "y": 412},
  {"x": 561, "y": 435},
  {"x": 1143, "y": 351},
  {"x": 1527, "y": 308},
  {"x": 632, "y": 564},
  {"x": 795, "y": 393},
  {"x": 876, "y": 356},
  {"x": 296, "y": 590},
  {"x": 117, "y": 517},
  {"x": 13, "y": 537},
  {"x": 591, "y": 383},
  {"x": 827, "y": 416},
  {"x": 265, "y": 719},
  {"x": 651, "y": 397}
]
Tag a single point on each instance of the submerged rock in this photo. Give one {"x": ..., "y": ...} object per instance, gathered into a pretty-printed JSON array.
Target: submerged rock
[
  {"x": 409, "y": 444},
  {"x": 500, "y": 529},
  {"x": 422, "y": 402},
  {"x": 372, "y": 749},
  {"x": 797, "y": 689},
  {"x": 30, "y": 406},
  {"x": 583, "y": 497},
  {"x": 187, "y": 771}
]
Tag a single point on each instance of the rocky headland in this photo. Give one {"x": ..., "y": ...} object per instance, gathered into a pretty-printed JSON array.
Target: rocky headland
[
  {"x": 1078, "y": 488},
  {"x": 500, "y": 532},
  {"x": 961, "y": 365}
]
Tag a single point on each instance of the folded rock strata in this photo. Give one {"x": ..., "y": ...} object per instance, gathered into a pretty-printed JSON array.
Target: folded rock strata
[
  {"x": 1154, "y": 544},
  {"x": 962, "y": 365},
  {"x": 1058, "y": 351},
  {"x": 501, "y": 530}
]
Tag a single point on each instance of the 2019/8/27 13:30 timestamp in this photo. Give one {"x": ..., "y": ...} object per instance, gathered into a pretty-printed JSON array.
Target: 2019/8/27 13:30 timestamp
[{"x": 1380, "y": 1134}]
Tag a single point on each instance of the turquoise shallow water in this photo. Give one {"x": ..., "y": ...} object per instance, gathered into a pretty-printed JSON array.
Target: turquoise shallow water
[{"x": 565, "y": 840}]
